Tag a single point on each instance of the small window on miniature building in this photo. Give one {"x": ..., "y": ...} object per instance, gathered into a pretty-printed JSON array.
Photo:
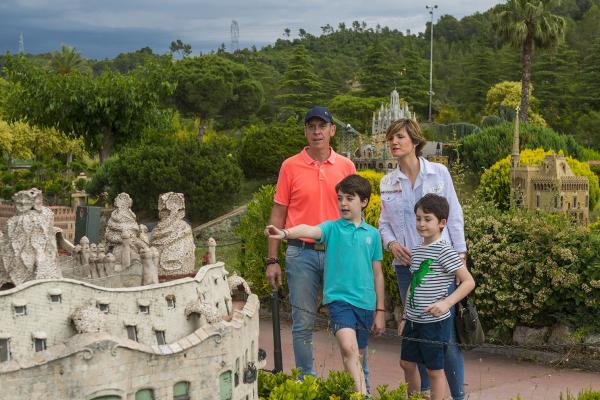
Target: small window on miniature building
[
  {"x": 55, "y": 296},
  {"x": 131, "y": 332},
  {"x": 160, "y": 338},
  {"x": 144, "y": 394},
  {"x": 39, "y": 344},
  {"x": 574, "y": 201},
  {"x": 20, "y": 311},
  {"x": 170, "y": 298},
  {"x": 216, "y": 281},
  {"x": 537, "y": 200},
  {"x": 236, "y": 374},
  {"x": 181, "y": 391},
  {"x": 4, "y": 349},
  {"x": 144, "y": 309},
  {"x": 104, "y": 307}
]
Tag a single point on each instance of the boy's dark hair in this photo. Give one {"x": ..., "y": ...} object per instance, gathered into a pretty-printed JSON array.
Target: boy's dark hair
[
  {"x": 355, "y": 184},
  {"x": 434, "y": 204}
]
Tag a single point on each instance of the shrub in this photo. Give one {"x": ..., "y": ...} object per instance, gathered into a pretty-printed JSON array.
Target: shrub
[
  {"x": 532, "y": 269},
  {"x": 494, "y": 184},
  {"x": 373, "y": 177},
  {"x": 337, "y": 386},
  {"x": 251, "y": 230},
  {"x": 483, "y": 149},
  {"x": 207, "y": 174},
  {"x": 265, "y": 146}
]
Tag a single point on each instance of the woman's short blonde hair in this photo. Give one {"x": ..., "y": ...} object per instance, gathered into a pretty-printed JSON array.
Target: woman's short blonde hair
[{"x": 413, "y": 130}]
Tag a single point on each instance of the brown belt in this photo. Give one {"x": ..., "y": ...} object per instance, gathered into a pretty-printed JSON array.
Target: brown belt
[{"x": 306, "y": 245}]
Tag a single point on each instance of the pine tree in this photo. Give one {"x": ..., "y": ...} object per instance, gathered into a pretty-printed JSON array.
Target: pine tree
[{"x": 300, "y": 86}]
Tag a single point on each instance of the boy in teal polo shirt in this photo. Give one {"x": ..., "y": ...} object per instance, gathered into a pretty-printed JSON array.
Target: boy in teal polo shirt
[{"x": 353, "y": 280}]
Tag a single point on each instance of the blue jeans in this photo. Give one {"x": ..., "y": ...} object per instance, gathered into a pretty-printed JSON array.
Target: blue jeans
[
  {"x": 304, "y": 273},
  {"x": 454, "y": 363}
]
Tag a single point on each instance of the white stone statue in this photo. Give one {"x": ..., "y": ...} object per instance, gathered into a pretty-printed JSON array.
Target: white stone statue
[
  {"x": 150, "y": 270},
  {"x": 28, "y": 247},
  {"x": 172, "y": 236},
  {"x": 122, "y": 226}
]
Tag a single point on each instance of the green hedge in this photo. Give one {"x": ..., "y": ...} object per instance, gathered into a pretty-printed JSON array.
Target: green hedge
[
  {"x": 532, "y": 269},
  {"x": 337, "y": 386}
]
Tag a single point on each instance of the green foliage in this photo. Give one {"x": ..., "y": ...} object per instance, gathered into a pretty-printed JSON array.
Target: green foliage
[
  {"x": 337, "y": 386},
  {"x": 107, "y": 111},
  {"x": 265, "y": 146},
  {"x": 68, "y": 60},
  {"x": 588, "y": 133},
  {"x": 251, "y": 231},
  {"x": 508, "y": 95},
  {"x": 378, "y": 73},
  {"x": 532, "y": 269},
  {"x": 300, "y": 86},
  {"x": 494, "y": 183},
  {"x": 211, "y": 85},
  {"x": 356, "y": 111},
  {"x": 373, "y": 177},
  {"x": 207, "y": 174},
  {"x": 481, "y": 150},
  {"x": 48, "y": 176},
  {"x": 528, "y": 24}
]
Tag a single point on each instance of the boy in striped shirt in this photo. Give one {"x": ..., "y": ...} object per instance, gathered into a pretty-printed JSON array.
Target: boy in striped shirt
[{"x": 434, "y": 265}]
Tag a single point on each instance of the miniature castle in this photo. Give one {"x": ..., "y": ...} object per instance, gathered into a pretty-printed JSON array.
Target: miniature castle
[
  {"x": 375, "y": 155},
  {"x": 85, "y": 338},
  {"x": 551, "y": 187}
]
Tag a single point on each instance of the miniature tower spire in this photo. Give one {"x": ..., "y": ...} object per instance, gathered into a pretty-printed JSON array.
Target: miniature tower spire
[{"x": 515, "y": 149}]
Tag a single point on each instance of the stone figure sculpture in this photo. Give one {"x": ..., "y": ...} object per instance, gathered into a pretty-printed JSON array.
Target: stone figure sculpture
[
  {"x": 150, "y": 270},
  {"x": 122, "y": 232},
  {"x": 28, "y": 247},
  {"x": 172, "y": 236}
]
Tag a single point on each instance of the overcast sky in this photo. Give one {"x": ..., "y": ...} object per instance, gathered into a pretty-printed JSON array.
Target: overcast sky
[{"x": 104, "y": 28}]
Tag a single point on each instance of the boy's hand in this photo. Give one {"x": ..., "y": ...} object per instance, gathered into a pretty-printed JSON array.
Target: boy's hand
[
  {"x": 274, "y": 232},
  {"x": 379, "y": 324},
  {"x": 401, "y": 327},
  {"x": 438, "y": 309}
]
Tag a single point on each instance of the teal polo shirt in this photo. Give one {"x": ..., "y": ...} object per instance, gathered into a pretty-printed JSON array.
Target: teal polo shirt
[{"x": 349, "y": 255}]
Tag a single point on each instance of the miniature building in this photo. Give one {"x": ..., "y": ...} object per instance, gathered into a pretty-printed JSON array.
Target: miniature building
[
  {"x": 375, "y": 155},
  {"x": 66, "y": 339},
  {"x": 60, "y": 338},
  {"x": 550, "y": 187}
]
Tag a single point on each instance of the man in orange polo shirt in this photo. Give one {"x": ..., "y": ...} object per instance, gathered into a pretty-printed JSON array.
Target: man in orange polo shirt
[{"x": 305, "y": 194}]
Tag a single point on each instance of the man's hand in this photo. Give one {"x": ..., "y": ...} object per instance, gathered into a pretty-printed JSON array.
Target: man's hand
[
  {"x": 274, "y": 275},
  {"x": 379, "y": 324},
  {"x": 438, "y": 309},
  {"x": 273, "y": 232},
  {"x": 400, "y": 252}
]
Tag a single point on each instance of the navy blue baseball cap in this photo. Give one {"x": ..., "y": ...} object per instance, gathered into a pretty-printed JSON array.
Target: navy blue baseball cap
[{"x": 319, "y": 112}]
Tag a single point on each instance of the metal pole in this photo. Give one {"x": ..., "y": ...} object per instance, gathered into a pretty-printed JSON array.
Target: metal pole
[
  {"x": 276, "y": 332},
  {"x": 431, "y": 8}
]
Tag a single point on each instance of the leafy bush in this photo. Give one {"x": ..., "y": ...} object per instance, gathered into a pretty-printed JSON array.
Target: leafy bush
[
  {"x": 483, "y": 149},
  {"x": 265, "y": 146},
  {"x": 532, "y": 269},
  {"x": 337, "y": 386},
  {"x": 494, "y": 184},
  {"x": 207, "y": 174},
  {"x": 251, "y": 230},
  {"x": 373, "y": 177}
]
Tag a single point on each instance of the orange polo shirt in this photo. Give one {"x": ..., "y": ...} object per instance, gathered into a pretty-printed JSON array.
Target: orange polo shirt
[{"x": 307, "y": 189}]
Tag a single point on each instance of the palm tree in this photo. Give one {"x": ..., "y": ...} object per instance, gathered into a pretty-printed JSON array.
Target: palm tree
[
  {"x": 67, "y": 60},
  {"x": 528, "y": 24}
]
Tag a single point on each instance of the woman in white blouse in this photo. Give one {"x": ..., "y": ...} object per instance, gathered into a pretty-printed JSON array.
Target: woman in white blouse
[{"x": 400, "y": 190}]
